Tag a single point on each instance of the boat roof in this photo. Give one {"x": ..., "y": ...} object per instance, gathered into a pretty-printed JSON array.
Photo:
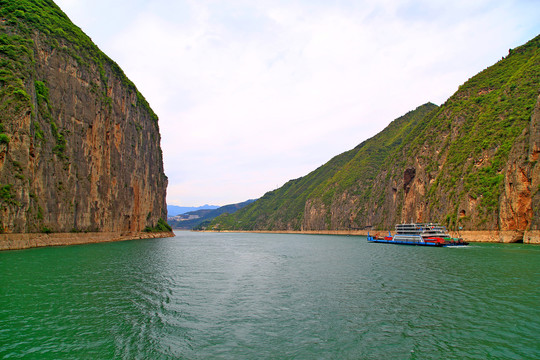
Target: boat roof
[
  {"x": 431, "y": 228},
  {"x": 422, "y": 225}
]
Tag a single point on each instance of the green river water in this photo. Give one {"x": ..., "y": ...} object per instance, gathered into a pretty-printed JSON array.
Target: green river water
[{"x": 267, "y": 296}]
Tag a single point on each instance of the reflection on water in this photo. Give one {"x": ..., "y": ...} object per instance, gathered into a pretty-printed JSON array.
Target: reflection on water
[{"x": 199, "y": 296}]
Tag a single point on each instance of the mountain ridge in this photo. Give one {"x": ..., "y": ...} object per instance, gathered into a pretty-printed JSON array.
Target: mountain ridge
[
  {"x": 471, "y": 164},
  {"x": 173, "y": 210},
  {"x": 204, "y": 216}
]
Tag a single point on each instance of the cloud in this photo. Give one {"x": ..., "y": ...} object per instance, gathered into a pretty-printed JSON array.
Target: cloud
[{"x": 252, "y": 94}]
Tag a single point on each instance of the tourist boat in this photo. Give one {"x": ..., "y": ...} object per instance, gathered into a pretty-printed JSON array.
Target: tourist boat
[{"x": 431, "y": 234}]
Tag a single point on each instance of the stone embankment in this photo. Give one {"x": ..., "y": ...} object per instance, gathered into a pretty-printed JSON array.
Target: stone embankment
[
  {"x": 528, "y": 237},
  {"x": 26, "y": 241}
]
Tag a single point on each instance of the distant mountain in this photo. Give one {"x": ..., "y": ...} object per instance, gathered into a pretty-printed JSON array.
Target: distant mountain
[
  {"x": 470, "y": 164},
  {"x": 192, "y": 219},
  {"x": 173, "y": 210}
]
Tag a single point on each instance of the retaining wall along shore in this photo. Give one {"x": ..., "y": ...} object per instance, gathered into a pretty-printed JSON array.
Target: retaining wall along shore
[
  {"x": 528, "y": 237},
  {"x": 28, "y": 240}
]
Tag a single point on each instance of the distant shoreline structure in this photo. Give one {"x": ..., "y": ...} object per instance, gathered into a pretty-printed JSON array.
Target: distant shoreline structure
[{"x": 495, "y": 236}]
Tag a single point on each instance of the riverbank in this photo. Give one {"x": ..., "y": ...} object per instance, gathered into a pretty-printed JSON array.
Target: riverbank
[
  {"x": 527, "y": 237},
  {"x": 27, "y": 241}
]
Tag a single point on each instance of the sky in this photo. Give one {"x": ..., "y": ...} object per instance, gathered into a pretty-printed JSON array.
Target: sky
[{"x": 251, "y": 94}]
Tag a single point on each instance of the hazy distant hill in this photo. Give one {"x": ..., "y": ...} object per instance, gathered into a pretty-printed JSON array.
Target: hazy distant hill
[
  {"x": 173, "y": 210},
  {"x": 471, "y": 163},
  {"x": 192, "y": 219}
]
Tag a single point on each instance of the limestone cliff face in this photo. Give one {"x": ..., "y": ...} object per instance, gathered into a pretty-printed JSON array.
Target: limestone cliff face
[
  {"x": 81, "y": 149},
  {"x": 520, "y": 199}
]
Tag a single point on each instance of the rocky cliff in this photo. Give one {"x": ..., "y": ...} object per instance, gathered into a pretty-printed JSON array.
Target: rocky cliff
[
  {"x": 471, "y": 164},
  {"x": 79, "y": 145}
]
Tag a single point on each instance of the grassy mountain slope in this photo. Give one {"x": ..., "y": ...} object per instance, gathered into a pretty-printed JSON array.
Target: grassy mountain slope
[
  {"x": 462, "y": 157},
  {"x": 284, "y": 208},
  {"x": 472, "y": 164}
]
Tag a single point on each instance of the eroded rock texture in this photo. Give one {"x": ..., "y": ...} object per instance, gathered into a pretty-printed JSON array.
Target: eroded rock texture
[{"x": 81, "y": 149}]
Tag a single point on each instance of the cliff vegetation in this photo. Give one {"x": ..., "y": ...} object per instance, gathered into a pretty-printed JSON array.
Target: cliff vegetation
[
  {"x": 471, "y": 164},
  {"x": 79, "y": 144}
]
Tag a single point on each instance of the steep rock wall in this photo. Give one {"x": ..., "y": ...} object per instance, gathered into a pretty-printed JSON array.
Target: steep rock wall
[
  {"x": 84, "y": 146},
  {"x": 520, "y": 199}
]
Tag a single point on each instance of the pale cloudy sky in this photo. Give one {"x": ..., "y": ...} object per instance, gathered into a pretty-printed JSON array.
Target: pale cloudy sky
[{"x": 251, "y": 94}]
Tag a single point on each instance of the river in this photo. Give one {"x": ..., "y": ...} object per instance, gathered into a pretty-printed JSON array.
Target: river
[{"x": 270, "y": 296}]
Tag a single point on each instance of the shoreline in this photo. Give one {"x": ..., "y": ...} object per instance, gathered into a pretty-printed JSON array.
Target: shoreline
[
  {"x": 480, "y": 236},
  {"x": 35, "y": 240}
]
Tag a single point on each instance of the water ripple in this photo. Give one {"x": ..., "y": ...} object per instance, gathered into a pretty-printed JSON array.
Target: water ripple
[{"x": 250, "y": 296}]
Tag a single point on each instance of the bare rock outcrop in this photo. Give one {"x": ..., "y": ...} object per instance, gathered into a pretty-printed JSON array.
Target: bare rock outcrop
[{"x": 81, "y": 150}]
